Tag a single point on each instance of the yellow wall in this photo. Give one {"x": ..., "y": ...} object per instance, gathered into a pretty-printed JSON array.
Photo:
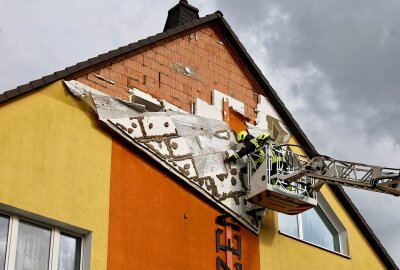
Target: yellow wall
[
  {"x": 281, "y": 252},
  {"x": 55, "y": 162}
]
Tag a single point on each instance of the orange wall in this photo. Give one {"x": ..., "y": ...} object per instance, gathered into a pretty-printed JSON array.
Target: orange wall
[{"x": 155, "y": 223}]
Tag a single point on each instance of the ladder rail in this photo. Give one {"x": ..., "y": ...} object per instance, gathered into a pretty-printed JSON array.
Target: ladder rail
[{"x": 354, "y": 174}]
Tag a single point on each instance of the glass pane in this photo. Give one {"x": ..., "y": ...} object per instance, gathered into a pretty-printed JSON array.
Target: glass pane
[
  {"x": 33, "y": 247},
  {"x": 288, "y": 224},
  {"x": 4, "y": 221},
  {"x": 317, "y": 229},
  {"x": 70, "y": 252}
]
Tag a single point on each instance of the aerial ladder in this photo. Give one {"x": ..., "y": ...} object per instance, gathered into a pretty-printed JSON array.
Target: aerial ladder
[{"x": 293, "y": 188}]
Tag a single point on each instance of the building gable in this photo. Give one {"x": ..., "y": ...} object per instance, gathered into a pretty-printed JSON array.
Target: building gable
[{"x": 180, "y": 71}]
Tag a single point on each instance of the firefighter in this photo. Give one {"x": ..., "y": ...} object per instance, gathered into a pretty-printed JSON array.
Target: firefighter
[
  {"x": 278, "y": 161},
  {"x": 250, "y": 144}
]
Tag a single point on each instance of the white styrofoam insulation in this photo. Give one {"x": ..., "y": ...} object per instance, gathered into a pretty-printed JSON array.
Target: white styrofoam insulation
[
  {"x": 131, "y": 125},
  {"x": 136, "y": 93},
  {"x": 207, "y": 110},
  {"x": 219, "y": 97},
  {"x": 192, "y": 147},
  {"x": 179, "y": 147},
  {"x": 158, "y": 126}
]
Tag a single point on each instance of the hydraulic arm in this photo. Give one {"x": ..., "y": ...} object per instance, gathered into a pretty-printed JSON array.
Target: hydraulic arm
[
  {"x": 288, "y": 182},
  {"x": 347, "y": 173}
]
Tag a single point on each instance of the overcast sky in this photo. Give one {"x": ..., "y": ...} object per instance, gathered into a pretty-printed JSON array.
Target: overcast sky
[{"x": 335, "y": 64}]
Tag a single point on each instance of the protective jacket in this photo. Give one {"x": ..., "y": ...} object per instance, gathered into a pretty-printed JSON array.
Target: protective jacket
[
  {"x": 250, "y": 144},
  {"x": 276, "y": 153}
]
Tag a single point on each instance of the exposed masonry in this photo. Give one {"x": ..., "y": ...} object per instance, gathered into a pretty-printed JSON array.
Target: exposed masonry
[
  {"x": 179, "y": 72},
  {"x": 190, "y": 146}
]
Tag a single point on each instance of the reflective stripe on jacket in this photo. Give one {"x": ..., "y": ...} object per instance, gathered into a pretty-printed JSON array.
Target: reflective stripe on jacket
[
  {"x": 276, "y": 154},
  {"x": 249, "y": 146}
]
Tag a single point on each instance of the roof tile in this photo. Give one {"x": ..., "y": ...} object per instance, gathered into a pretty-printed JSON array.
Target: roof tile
[
  {"x": 61, "y": 74},
  {"x": 125, "y": 49},
  {"x": 103, "y": 56},
  {"x": 152, "y": 39},
  {"x": 95, "y": 60},
  {"x": 25, "y": 88},
  {"x": 134, "y": 46},
  {"x": 114, "y": 53},
  {"x": 3, "y": 98},
  {"x": 84, "y": 64},
  {"x": 37, "y": 83},
  {"x": 143, "y": 42},
  {"x": 12, "y": 93},
  {"x": 73, "y": 69},
  {"x": 50, "y": 78}
]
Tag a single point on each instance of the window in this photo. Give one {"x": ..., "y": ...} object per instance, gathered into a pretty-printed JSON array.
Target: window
[
  {"x": 27, "y": 245},
  {"x": 319, "y": 226},
  {"x": 4, "y": 221}
]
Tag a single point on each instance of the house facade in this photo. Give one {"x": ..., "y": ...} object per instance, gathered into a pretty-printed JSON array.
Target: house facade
[{"x": 93, "y": 176}]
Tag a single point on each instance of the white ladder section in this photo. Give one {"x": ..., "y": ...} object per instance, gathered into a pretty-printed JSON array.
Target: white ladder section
[{"x": 352, "y": 174}]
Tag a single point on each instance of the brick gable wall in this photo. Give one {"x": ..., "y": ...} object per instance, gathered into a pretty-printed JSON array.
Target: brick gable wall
[{"x": 160, "y": 72}]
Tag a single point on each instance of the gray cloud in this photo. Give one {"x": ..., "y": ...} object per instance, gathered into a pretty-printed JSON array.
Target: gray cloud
[{"x": 335, "y": 64}]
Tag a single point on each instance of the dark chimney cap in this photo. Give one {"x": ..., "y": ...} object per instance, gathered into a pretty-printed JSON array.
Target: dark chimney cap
[{"x": 181, "y": 14}]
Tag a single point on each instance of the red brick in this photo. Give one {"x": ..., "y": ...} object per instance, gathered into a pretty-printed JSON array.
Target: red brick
[
  {"x": 110, "y": 74},
  {"x": 122, "y": 69},
  {"x": 165, "y": 92},
  {"x": 133, "y": 83},
  {"x": 150, "y": 72},
  {"x": 246, "y": 83},
  {"x": 165, "y": 69},
  {"x": 150, "y": 82},
  {"x": 150, "y": 54},
  {"x": 138, "y": 58},
  {"x": 215, "y": 66},
  {"x": 172, "y": 82},
  {"x": 163, "y": 78}
]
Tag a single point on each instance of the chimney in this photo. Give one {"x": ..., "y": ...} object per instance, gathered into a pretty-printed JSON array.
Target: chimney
[{"x": 180, "y": 14}]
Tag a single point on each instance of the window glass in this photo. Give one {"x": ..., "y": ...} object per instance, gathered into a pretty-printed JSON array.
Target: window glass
[
  {"x": 33, "y": 247},
  {"x": 4, "y": 221},
  {"x": 318, "y": 229},
  {"x": 288, "y": 224},
  {"x": 70, "y": 252}
]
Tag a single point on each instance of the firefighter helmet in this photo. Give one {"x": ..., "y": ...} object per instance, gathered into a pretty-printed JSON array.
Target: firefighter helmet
[
  {"x": 263, "y": 136},
  {"x": 241, "y": 136}
]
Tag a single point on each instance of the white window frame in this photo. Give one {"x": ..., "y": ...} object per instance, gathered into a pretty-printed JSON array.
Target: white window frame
[
  {"x": 334, "y": 220},
  {"x": 57, "y": 228}
]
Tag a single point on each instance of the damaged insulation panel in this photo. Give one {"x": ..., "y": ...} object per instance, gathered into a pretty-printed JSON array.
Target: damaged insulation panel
[{"x": 192, "y": 147}]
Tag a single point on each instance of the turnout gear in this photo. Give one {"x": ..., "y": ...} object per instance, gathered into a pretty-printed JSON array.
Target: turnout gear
[
  {"x": 250, "y": 144},
  {"x": 278, "y": 161},
  {"x": 276, "y": 151}
]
